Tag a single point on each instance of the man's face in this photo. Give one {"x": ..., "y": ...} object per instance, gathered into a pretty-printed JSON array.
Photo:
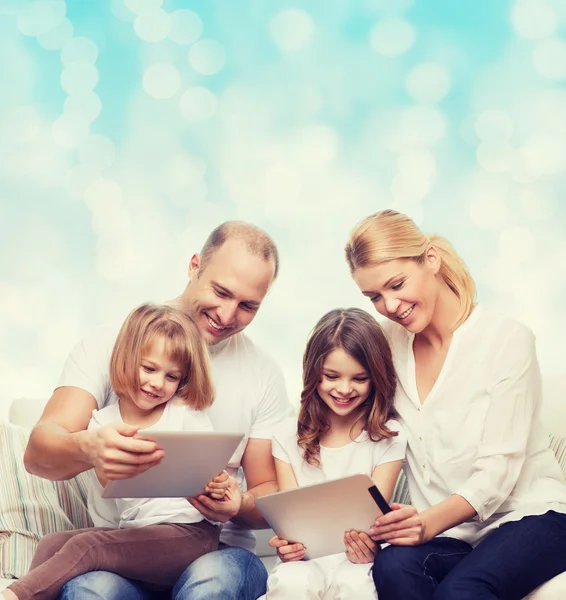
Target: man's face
[{"x": 224, "y": 298}]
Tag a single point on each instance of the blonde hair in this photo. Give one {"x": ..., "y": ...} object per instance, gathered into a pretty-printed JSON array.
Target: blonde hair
[
  {"x": 183, "y": 346},
  {"x": 389, "y": 235}
]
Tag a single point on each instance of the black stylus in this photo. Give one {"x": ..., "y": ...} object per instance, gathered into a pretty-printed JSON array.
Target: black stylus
[{"x": 379, "y": 499}]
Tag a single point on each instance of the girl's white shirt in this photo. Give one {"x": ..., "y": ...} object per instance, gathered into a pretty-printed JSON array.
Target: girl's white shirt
[
  {"x": 359, "y": 456},
  {"x": 331, "y": 576},
  {"x": 478, "y": 433},
  {"x": 125, "y": 513}
]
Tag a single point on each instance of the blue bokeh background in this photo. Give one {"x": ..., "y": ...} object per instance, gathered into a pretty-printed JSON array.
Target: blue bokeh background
[{"x": 130, "y": 128}]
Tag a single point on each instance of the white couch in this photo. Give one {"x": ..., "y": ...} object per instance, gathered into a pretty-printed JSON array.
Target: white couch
[{"x": 25, "y": 412}]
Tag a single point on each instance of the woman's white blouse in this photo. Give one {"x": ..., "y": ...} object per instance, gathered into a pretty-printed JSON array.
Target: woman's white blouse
[{"x": 478, "y": 434}]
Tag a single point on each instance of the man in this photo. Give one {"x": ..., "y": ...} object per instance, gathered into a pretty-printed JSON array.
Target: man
[{"x": 227, "y": 283}]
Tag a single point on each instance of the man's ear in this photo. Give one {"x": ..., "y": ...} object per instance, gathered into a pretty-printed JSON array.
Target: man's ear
[
  {"x": 432, "y": 259},
  {"x": 194, "y": 266}
]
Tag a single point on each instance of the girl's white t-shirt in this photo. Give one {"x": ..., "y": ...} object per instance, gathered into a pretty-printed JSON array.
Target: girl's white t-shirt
[
  {"x": 361, "y": 455},
  {"x": 249, "y": 395},
  {"x": 124, "y": 513}
]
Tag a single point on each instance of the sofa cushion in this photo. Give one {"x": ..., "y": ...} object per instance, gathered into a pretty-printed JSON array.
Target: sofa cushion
[
  {"x": 31, "y": 507},
  {"x": 558, "y": 445},
  {"x": 401, "y": 491}
]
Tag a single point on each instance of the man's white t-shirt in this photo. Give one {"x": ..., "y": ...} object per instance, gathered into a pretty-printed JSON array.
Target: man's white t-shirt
[
  {"x": 250, "y": 395},
  {"x": 127, "y": 513},
  {"x": 361, "y": 455}
]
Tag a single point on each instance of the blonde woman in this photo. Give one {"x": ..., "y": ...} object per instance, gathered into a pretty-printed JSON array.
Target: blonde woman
[
  {"x": 159, "y": 371},
  {"x": 488, "y": 514}
]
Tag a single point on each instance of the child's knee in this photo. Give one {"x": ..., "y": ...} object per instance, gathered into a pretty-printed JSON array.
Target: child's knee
[
  {"x": 85, "y": 546},
  {"x": 54, "y": 540},
  {"x": 354, "y": 581},
  {"x": 292, "y": 580},
  {"x": 48, "y": 546}
]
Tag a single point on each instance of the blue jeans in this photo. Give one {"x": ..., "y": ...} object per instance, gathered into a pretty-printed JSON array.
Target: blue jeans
[
  {"x": 509, "y": 563},
  {"x": 230, "y": 573}
]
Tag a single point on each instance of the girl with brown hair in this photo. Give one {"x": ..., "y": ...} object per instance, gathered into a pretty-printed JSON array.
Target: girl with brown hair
[
  {"x": 345, "y": 427},
  {"x": 159, "y": 371},
  {"x": 487, "y": 519}
]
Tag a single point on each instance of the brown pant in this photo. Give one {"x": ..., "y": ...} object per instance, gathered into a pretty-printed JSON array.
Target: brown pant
[{"x": 155, "y": 555}]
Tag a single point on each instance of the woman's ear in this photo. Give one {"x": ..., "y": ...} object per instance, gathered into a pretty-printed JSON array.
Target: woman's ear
[{"x": 432, "y": 259}]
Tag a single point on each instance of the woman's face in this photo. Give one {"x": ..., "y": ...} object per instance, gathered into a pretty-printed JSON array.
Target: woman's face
[{"x": 402, "y": 290}]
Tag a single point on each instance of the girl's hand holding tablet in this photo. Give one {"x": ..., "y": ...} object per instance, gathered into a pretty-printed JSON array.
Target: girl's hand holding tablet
[
  {"x": 287, "y": 552},
  {"x": 360, "y": 548},
  {"x": 218, "y": 487},
  {"x": 222, "y": 510}
]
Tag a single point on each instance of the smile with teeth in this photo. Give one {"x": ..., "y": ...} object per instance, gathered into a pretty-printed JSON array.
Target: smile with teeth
[
  {"x": 214, "y": 324},
  {"x": 150, "y": 394},
  {"x": 406, "y": 313},
  {"x": 342, "y": 400}
]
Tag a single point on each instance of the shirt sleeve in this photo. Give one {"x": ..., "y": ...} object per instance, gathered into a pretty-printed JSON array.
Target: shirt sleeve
[
  {"x": 196, "y": 420},
  {"x": 274, "y": 405},
  {"x": 514, "y": 393},
  {"x": 104, "y": 416},
  {"x": 390, "y": 449},
  {"x": 284, "y": 434},
  {"x": 88, "y": 365}
]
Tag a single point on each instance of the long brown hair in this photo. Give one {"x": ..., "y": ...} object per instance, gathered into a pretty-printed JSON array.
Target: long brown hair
[
  {"x": 360, "y": 336},
  {"x": 389, "y": 235},
  {"x": 183, "y": 346}
]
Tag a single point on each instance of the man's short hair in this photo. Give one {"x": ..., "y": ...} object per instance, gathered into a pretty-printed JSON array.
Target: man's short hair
[{"x": 256, "y": 240}]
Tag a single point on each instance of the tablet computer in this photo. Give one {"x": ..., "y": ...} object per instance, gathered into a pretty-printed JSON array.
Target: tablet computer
[
  {"x": 318, "y": 515},
  {"x": 191, "y": 460}
]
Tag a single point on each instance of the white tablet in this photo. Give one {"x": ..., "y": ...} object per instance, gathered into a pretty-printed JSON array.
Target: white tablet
[
  {"x": 318, "y": 515},
  {"x": 191, "y": 460}
]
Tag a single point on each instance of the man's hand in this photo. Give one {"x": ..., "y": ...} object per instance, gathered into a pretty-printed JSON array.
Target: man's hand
[
  {"x": 116, "y": 454},
  {"x": 223, "y": 510},
  {"x": 360, "y": 548},
  {"x": 403, "y": 526},
  {"x": 288, "y": 552}
]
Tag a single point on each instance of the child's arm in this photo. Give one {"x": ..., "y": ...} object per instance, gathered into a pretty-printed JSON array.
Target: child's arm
[
  {"x": 287, "y": 481},
  {"x": 385, "y": 477}
]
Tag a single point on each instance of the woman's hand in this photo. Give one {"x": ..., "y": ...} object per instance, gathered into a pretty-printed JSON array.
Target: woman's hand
[
  {"x": 218, "y": 487},
  {"x": 360, "y": 548},
  {"x": 403, "y": 526},
  {"x": 288, "y": 552}
]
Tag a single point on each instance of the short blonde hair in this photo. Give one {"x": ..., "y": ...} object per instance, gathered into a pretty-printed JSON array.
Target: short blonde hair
[
  {"x": 183, "y": 346},
  {"x": 389, "y": 235}
]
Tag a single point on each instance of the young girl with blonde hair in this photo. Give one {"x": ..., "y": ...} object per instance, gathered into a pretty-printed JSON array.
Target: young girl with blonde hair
[
  {"x": 159, "y": 371},
  {"x": 345, "y": 427},
  {"x": 487, "y": 519}
]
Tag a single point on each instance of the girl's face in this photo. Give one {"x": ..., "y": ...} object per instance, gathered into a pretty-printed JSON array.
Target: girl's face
[
  {"x": 402, "y": 290},
  {"x": 159, "y": 377},
  {"x": 344, "y": 384}
]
